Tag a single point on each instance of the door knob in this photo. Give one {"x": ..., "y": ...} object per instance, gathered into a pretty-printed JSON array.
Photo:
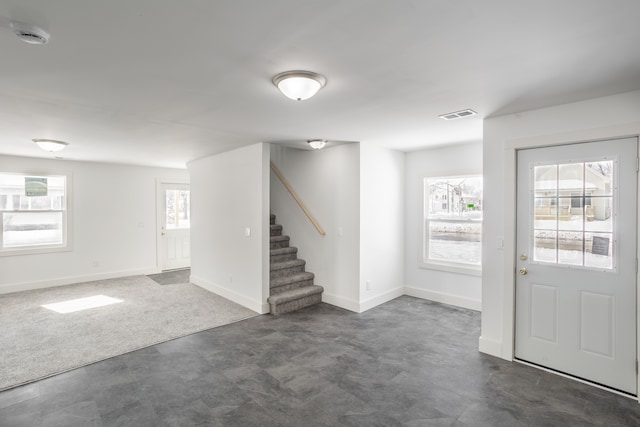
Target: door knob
[{"x": 523, "y": 271}]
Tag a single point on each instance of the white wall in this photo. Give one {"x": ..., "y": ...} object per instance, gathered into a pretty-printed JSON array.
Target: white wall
[
  {"x": 442, "y": 286},
  {"x": 229, "y": 193},
  {"x": 113, "y": 222},
  {"x": 382, "y": 228},
  {"x": 328, "y": 182},
  {"x": 602, "y": 118}
]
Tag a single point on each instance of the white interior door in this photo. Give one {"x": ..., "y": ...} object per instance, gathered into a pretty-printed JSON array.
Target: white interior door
[
  {"x": 174, "y": 246},
  {"x": 576, "y": 243}
]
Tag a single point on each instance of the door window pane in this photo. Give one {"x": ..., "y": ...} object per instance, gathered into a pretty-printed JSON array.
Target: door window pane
[
  {"x": 178, "y": 213},
  {"x": 599, "y": 214},
  {"x": 570, "y": 178},
  {"x": 545, "y": 247},
  {"x": 570, "y": 248},
  {"x": 573, "y": 217},
  {"x": 599, "y": 250},
  {"x": 571, "y": 220},
  {"x": 546, "y": 180},
  {"x": 599, "y": 177}
]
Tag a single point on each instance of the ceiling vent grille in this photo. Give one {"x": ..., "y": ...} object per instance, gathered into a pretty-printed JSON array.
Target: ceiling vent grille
[{"x": 458, "y": 114}]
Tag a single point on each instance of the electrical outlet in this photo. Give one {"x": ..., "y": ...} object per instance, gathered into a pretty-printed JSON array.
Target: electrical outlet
[
  {"x": 247, "y": 231},
  {"x": 368, "y": 285},
  {"x": 96, "y": 263}
]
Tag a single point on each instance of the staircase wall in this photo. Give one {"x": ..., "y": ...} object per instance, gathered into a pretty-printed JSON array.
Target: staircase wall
[
  {"x": 230, "y": 193},
  {"x": 328, "y": 182}
]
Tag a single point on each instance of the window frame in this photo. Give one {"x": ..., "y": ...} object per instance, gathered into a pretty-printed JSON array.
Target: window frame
[
  {"x": 67, "y": 218},
  {"x": 448, "y": 266}
]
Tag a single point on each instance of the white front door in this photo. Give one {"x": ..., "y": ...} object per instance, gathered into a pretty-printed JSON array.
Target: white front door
[
  {"x": 576, "y": 260},
  {"x": 174, "y": 247}
]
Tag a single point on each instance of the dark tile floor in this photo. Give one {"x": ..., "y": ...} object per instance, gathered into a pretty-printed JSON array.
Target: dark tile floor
[
  {"x": 408, "y": 362},
  {"x": 171, "y": 277}
]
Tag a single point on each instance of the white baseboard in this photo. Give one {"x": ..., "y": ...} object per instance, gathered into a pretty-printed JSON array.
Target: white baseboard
[
  {"x": 444, "y": 298},
  {"x": 491, "y": 347},
  {"x": 258, "y": 307},
  {"x": 359, "y": 307},
  {"x": 381, "y": 299},
  {"x": 50, "y": 283},
  {"x": 341, "y": 302}
]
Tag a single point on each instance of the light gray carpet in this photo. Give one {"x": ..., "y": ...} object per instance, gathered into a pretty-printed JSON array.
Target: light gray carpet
[{"x": 36, "y": 343}]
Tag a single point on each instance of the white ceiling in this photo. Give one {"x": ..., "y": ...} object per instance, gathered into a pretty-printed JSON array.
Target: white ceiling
[{"x": 164, "y": 82}]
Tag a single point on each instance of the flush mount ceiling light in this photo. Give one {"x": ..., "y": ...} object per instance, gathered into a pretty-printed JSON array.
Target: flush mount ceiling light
[
  {"x": 299, "y": 85},
  {"x": 458, "y": 114},
  {"x": 50, "y": 145},
  {"x": 317, "y": 144},
  {"x": 29, "y": 33}
]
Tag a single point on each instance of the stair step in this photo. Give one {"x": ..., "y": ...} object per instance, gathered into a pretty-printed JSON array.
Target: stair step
[
  {"x": 272, "y": 219},
  {"x": 286, "y": 268},
  {"x": 279, "y": 242},
  {"x": 287, "y": 283},
  {"x": 295, "y": 299},
  {"x": 276, "y": 230},
  {"x": 284, "y": 254}
]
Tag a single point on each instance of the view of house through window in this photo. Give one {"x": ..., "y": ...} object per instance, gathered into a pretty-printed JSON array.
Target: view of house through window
[
  {"x": 33, "y": 210},
  {"x": 574, "y": 212},
  {"x": 453, "y": 220}
]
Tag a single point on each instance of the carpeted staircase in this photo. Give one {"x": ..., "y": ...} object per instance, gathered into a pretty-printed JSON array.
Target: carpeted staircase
[{"x": 290, "y": 286}]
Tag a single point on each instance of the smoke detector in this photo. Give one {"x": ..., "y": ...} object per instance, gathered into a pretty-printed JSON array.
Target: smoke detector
[{"x": 29, "y": 33}]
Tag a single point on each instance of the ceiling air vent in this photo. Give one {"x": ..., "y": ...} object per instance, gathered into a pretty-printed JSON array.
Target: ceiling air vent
[
  {"x": 458, "y": 114},
  {"x": 29, "y": 33}
]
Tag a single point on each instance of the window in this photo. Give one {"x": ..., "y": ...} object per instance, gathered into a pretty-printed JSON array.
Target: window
[
  {"x": 452, "y": 233},
  {"x": 573, "y": 219},
  {"x": 34, "y": 213},
  {"x": 177, "y": 203}
]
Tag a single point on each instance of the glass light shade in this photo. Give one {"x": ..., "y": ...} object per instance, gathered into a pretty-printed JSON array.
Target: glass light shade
[
  {"x": 50, "y": 145},
  {"x": 317, "y": 144},
  {"x": 299, "y": 85}
]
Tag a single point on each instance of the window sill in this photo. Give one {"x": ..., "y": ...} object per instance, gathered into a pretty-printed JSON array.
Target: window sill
[
  {"x": 469, "y": 271},
  {"x": 35, "y": 250}
]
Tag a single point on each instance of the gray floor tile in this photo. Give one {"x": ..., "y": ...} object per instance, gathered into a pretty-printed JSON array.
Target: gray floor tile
[{"x": 408, "y": 362}]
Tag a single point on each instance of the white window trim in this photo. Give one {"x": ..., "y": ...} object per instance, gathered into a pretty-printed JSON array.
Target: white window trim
[
  {"x": 67, "y": 215},
  {"x": 450, "y": 267}
]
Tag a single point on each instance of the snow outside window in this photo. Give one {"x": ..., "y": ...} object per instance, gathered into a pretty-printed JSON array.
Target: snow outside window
[
  {"x": 34, "y": 213},
  {"x": 452, "y": 234}
]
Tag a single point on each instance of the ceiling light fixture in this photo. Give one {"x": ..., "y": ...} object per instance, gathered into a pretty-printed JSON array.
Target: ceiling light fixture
[
  {"x": 299, "y": 85},
  {"x": 317, "y": 144},
  {"x": 29, "y": 33},
  {"x": 50, "y": 145}
]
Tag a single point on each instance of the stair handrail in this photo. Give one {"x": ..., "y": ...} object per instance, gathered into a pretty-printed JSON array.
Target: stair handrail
[{"x": 284, "y": 182}]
